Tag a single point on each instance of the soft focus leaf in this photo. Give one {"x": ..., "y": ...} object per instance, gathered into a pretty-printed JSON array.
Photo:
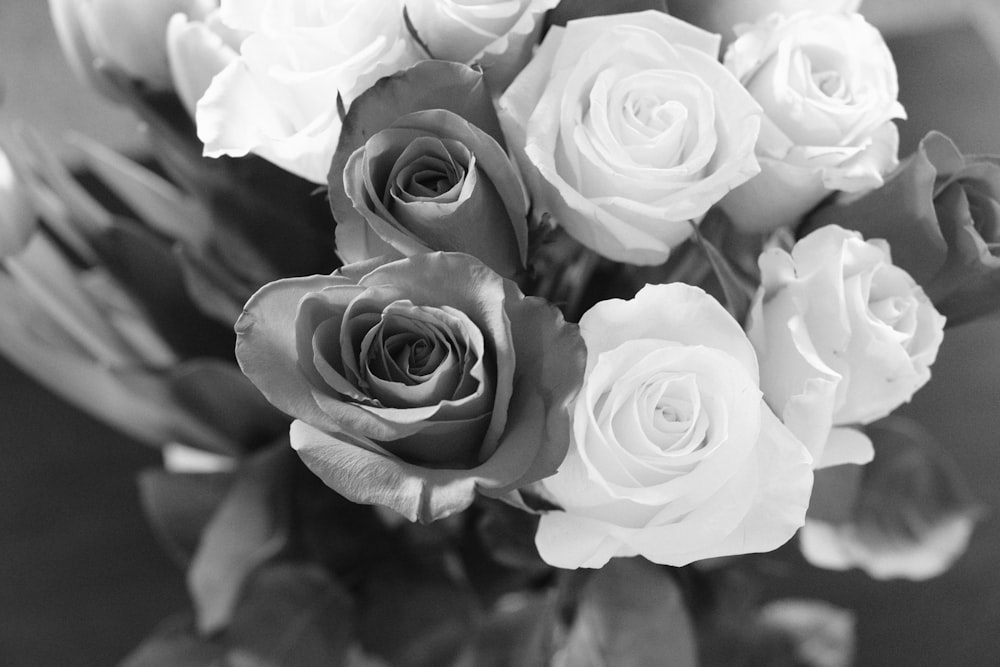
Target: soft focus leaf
[
  {"x": 249, "y": 528},
  {"x": 414, "y": 617},
  {"x": 820, "y": 634},
  {"x": 180, "y": 505},
  {"x": 570, "y": 10},
  {"x": 213, "y": 289},
  {"x": 148, "y": 269},
  {"x": 631, "y": 613},
  {"x": 912, "y": 516},
  {"x": 292, "y": 615},
  {"x": 519, "y": 632},
  {"x": 736, "y": 288},
  {"x": 175, "y": 643},
  {"x": 132, "y": 400},
  {"x": 158, "y": 203},
  {"x": 219, "y": 394},
  {"x": 508, "y": 533}
]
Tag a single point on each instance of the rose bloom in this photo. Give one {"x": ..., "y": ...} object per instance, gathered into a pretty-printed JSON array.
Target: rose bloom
[
  {"x": 940, "y": 212},
  {"x": 626, "y": 127},
  {"x": 498, "y": 35},
  {"x": 279, "y": 98},
  {"x": 675, "y": 456},
  {"x": 420, "y": 167},
  {"x": 415, "y": 383},
  {"x": 827, "y": 83},
  {"x": 843, "y": 337}
]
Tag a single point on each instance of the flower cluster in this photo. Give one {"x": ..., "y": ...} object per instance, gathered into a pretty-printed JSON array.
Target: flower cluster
[{"x": 645, "y": 292}]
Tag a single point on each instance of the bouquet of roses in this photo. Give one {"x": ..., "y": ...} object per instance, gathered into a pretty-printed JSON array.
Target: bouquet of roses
[{"x": 544, "y": 313}]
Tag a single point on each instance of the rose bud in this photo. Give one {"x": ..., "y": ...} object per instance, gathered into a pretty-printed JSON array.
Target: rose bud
[
  {"x": 420, "y": 166},
  {"x": 827, "y": 83},
  {"x": 416, "y": 383},
  {"x": 675, "y": 455},
  {"x": 843, "y": 336},
  {"x": 17, "y": 217},
  {"x": 626, "y": 128},
  {"x": 279, "y": 98},
  {"x": 128, "y": 34},
  {"x": 496, "y": 35},
  {"x": 940, "y": 212}
]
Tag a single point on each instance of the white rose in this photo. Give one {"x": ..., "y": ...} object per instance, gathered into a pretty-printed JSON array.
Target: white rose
[
  {"x": 626, "y": 128},
  {"x": 128, "y": 34},
  {"x": 843, "y": 337},
  {"x": 496, "y": 34},
  {"x": 828, "y": 86},
  {"x": 278, "y": 99},
  {"x": 675, "y": 456},
  {"x": 197, "y": 50}
]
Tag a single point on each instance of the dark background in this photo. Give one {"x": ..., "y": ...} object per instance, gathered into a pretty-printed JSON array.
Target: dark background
[{"x": 82, "y": 579}]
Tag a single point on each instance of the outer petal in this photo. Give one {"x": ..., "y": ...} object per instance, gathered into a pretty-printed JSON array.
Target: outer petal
[
  {"x": 675, "y": 312},
  {"x": 196, "y": 54}
]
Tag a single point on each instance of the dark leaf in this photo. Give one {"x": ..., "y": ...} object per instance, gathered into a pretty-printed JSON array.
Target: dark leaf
[
  {"x": 631, "y": 613},
  {"x": 519, "y": 632},
  {"x": 147, "y": 268},
  {"x": 291, "y": 615},
  {"x": 570, "y": 10},
  {"x": 173, "y": 644},
  {"x": 414, "y": 617},
  {"x": 737, "y": 289},
  {"x": 220, "y": 395},
  {"x": 180, "y": 505},
  {"x": 508, "y": 533},
  {"x": 249, "y": 528}
]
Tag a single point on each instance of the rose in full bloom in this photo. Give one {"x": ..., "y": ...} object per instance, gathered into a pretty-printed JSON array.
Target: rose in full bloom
[
  {"x": 128, "y": 34},
  {"x": 498, "y": 35},
  {"x": 626, "y": 127},
  {"x": 843, "y": 337},
  {"x": 417, "y": 382},
  {"x": 198, "y": 48},
  {"x": 828, "y": 86},
  {"x": 675, "y": 456},
  {"x": 278, "y": 99},
  {"x": 940, "y": 212},
  {"x": 420, "y": 166}
]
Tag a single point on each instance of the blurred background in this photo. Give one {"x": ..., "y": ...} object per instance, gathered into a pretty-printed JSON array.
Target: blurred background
[{"x": 82, "y": 579}]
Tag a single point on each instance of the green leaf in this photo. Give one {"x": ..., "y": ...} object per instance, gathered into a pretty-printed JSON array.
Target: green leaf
[
  {"x": 180, "y": 505},
  {"x": 249, "y": 528},
  {"x": 631, "y": 614}
]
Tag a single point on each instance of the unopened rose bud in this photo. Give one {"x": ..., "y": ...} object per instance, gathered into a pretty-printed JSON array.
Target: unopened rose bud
[
  {"x": 129, "y": 34},
  {"x": 17, "y": 218}
]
